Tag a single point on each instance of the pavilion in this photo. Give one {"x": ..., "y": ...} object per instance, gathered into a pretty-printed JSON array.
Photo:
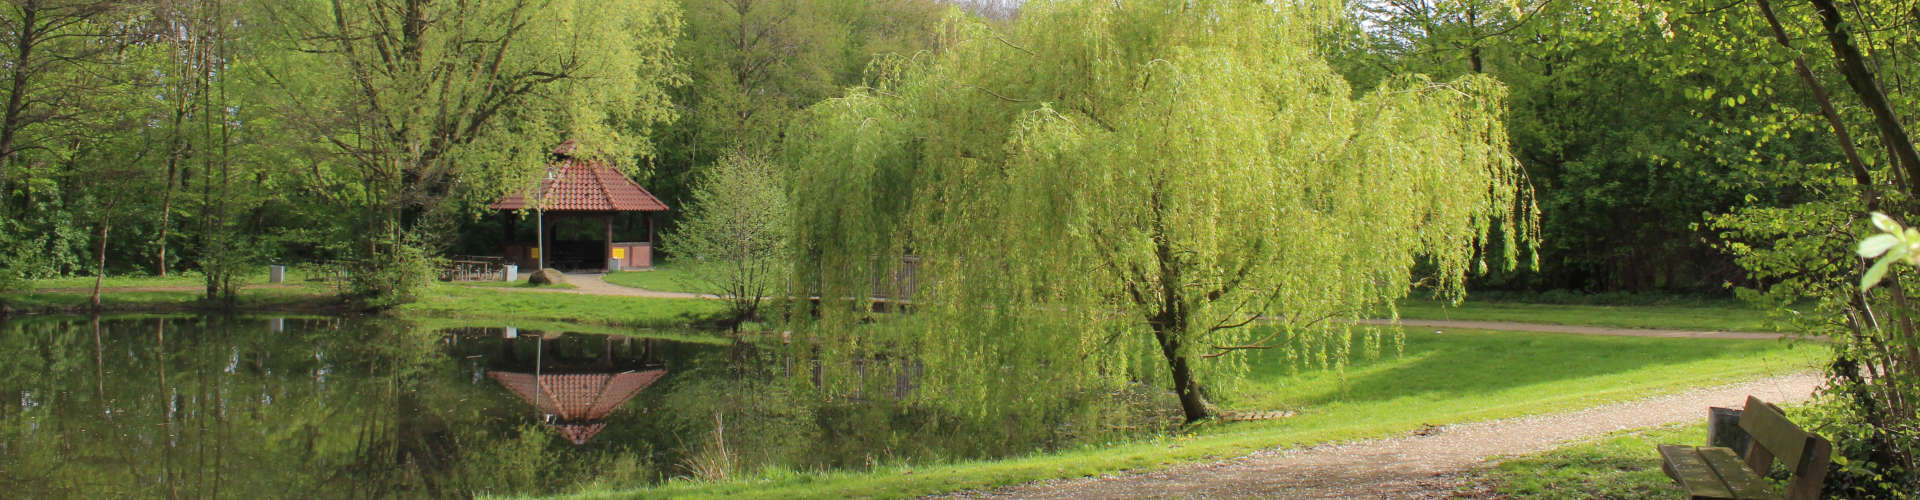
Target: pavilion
[{"x": 576, "y": 189}]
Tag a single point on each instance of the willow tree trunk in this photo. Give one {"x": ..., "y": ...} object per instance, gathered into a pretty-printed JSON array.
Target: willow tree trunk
[{"x": 1193, "y": 401}]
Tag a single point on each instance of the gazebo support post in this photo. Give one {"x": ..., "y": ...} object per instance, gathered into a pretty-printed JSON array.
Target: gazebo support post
[{"x": 606, "y": 258}]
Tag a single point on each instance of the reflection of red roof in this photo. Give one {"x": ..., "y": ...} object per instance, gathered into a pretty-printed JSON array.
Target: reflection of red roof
[
  {"x": 578, "y": 433},
  {"x": 577, "y": 401},
  {"x": 584, "y": 185}
]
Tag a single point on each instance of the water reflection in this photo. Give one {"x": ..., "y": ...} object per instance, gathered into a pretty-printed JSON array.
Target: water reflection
[
  {"x": 574, "y": 390},
  {"x": 213, "y": 407}
]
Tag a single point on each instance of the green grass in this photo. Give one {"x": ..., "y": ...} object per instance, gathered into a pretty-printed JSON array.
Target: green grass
[
  {"x": 295, "y": 276},
  {"x": 1459, "y": 376},
  {"x": 298, "y": 297},
  {"x": 493, "y": 304},
  {"x": 1728, "y": 316},
  {"x": 663, "y": 278},
  {"x": 1620, "y": 465},
  {"x": 513, "y": 284}
]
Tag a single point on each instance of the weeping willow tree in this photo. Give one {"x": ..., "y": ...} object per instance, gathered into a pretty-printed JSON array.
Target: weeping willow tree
[{"x": 1137, "y": 191}]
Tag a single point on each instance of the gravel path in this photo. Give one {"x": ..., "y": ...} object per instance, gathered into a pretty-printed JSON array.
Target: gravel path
[{"x": 1422, "y": 466}]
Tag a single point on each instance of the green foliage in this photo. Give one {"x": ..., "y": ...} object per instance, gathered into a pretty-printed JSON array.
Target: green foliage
[
  {"x": 735, "y": 237},
  {"x": 1629, "y": 123},
  {"x": 395, "y": 276},
  {"x": 754, "y": 64},
  {"x": 1895, "y": 243},
  {"x": 1858, "y": 469},
  {"x": 1195, "y": 167},
  {"x": 432, "y": 120}
]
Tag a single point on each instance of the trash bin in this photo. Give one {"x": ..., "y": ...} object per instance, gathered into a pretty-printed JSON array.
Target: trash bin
[
  {"x": 276, "y": 274},
  {"x": 615, "y": 265},
  {"x": 512, "y": 273}
]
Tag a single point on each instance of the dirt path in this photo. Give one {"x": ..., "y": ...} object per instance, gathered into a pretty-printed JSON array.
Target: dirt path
[
  {"x": 1410, "y": 466},
  {"x": 593, "y": 284},
  {"x": 1574, "y": 329}
]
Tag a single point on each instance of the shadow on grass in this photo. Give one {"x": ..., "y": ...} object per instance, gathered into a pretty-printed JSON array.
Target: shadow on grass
[{"x": 1460, "y": 364}]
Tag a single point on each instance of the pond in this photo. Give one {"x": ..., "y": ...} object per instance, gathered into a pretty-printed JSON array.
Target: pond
[{"x": 210, "y": 407}]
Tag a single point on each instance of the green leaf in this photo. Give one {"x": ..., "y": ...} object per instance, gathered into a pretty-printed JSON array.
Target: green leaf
[
  {"x": 1873, "y": 275},
  {"x": 1885, "y": 223},
  {"x": 1876, "y": 245}
]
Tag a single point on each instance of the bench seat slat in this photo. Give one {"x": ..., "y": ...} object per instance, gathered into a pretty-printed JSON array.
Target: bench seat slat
[
  {"x": 1734, "y": 472},
  {"x": 1685, "y": 464}
]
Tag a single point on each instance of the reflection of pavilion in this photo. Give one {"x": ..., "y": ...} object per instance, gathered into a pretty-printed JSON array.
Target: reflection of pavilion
[{"x": 577, "y": 395}]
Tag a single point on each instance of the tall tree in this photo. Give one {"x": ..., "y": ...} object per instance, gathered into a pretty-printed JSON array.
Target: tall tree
[
  {"x": 44, "y": 39},
  {"x": 1105, "y": 181},
  {"x": 432, "y": 107}
]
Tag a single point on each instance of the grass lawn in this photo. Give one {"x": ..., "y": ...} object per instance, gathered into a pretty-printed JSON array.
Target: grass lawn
[
  {"x": 523, "y": 283},
  {"x": 452, "y": 301},
  {"x": 1619, "y": 465},
  {"x": 295, "y": 276},
  {"x": 1728, "y": 317},
  {"x": 1459, "y": 376},
  {"x": 663, "y": 278}
]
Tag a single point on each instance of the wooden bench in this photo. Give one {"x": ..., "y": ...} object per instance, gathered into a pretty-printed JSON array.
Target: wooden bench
[{"x": 1716, "y": 472}]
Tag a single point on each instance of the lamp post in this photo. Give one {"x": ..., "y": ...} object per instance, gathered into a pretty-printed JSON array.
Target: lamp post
[{"x": 540, "y": 221}]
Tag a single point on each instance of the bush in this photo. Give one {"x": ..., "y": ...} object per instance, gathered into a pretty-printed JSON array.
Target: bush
[
  {"x": 391, "y": 277},
  {"x": 735, "y": 236}
]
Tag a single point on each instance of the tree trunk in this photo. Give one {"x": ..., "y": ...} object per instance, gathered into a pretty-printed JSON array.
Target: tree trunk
[
  {"x": 10, "y": 123},
  {"x": 100, "y": 272},
  {"x": 1193, "y": 401}
]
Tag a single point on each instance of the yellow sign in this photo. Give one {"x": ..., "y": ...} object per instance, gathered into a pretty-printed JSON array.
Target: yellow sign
[
  {"x": 533, "y": 253},
  {"x": 619, "y": 253}
]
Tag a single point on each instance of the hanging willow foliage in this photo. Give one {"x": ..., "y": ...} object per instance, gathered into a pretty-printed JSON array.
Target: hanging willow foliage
[{"x": 1108, "y": 193}]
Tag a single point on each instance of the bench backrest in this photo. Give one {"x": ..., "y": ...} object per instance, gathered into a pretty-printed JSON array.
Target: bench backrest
[{"x": 1805, "y": 454}]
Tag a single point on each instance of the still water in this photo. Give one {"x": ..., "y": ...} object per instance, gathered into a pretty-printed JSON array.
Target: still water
[{"x": 249, "y": 407}]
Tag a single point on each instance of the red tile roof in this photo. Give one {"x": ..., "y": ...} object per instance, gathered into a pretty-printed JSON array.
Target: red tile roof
[
  {"x": 578, "y": 402},
  {"x": 584, "y": 185}
]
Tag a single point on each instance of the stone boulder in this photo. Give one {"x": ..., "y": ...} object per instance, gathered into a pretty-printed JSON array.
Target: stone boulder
[{"x": 547, "y": 277}]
